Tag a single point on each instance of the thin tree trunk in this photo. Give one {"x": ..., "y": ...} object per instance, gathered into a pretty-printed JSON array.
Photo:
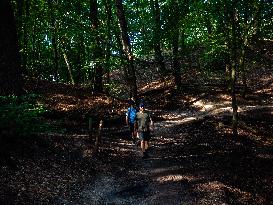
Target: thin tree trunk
[
  {"x": 25, "y": 37},
  {"x": 157, "y": 37},
  {"x": 68, "y": 68},
  {"x": 23, "y": 18},
  {"x": 54, "y": 41},
  {"x": 234, "y": 74},
  {"x": 127, "y": 49},
  {"x": 80, "y": 74},
  {"x": 242, "y": 68},
  {"x": 175, "y": 42},
  {"x": 108, "y": 8},
  {"x": 176, "y": 64},
  {"x": 234, "y": 101},
  {"x": 250, "y": 30},
  {"x": 98, "y": 86},
  {"x": 228, "y": 76}
]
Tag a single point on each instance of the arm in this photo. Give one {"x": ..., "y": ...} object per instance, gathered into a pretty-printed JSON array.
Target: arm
[
  {"x": 127, "y": 122},
  {"x": 127, "y": 117}
]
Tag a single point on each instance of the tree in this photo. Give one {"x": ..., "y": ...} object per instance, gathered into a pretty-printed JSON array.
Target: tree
[
  {"x": 54, "y": 39},
  {"x": 108, "y": 10},
  {"x": 98, "y": 52},
  {"x": 157, "y": 36},
  {"x": 242, "y": 31},
  {"x": 175, "y": 17},
  {"x": 11, "y": 79},
  {"x": 127, "y": 48}
]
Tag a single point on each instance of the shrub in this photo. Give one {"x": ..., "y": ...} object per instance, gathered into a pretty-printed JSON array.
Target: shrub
[{"x": 21, "y": 116}]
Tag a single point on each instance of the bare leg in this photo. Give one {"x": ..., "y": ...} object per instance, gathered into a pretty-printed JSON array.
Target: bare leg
[{"x": 142, "y": 145}]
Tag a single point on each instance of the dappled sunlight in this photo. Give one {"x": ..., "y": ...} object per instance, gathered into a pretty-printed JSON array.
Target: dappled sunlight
[
  {"x": 265, "y": 156},
  {"x": 209, "y": 109},
  {"x": 98, "y": 100},
  {"x": 66, "y": 103},
  {"x": 153, "y": 85},
  {"x": 225, "y": 97},
  {"x": 187, "y": 156},
  {"x": 212, "y": 186},
  {"x": 252, "y": 107},
  {"x": 266, "y": 90},
  {"x": 202, "y": 106},
  {"x": 173, "y": 116},
  {"x": 175, "y": 120},
  {"x": 216, "y": 187},
  {"x": 63, "y": 97},
  {"x": 184, "y": 120},
  {"x": 176, "y": 178},
  {"x": 157, "y": 84},
  {"x": 65, "y": 107}
]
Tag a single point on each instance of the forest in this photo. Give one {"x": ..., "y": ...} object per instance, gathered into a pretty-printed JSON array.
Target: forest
[{"x": 203, "y": 69}]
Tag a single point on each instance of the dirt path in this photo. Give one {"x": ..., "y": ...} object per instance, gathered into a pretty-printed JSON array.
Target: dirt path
[
  {"x": 139, "y": 183},
  {"x": 190, "y": 163},
  {"x": 193, "y": 160}
]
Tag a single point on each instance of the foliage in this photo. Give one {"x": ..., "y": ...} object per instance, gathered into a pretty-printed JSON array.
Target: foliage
[
  {"x": 21, "y": 116},
  {"x": 49, "y": 29},
  {"x": 214, "y": 58},
  {"x": 115, "y": 89}
]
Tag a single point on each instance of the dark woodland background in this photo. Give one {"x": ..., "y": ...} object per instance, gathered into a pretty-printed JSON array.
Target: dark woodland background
[{"x": 204, "y": 69}]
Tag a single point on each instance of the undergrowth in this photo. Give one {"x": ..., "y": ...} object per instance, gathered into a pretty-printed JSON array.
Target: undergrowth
[{"x": 21, "y": 116}]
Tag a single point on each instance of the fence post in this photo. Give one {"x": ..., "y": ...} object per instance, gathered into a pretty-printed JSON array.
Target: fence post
[{"x": 98, "y": 136}]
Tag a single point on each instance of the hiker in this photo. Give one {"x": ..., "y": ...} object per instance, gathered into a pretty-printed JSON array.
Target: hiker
[
  {"x": 144, "y": 125},
  {"x": 130, "y": 119}
]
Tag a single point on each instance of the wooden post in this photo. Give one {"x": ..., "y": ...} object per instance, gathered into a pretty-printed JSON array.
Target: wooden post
[{"x": 98, "y": 136}]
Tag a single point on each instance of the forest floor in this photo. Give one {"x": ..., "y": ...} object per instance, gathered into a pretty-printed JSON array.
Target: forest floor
[{"x": 193, "y": 157}]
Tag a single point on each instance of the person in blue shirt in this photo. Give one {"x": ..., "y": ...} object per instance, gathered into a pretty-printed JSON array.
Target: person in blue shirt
[{"x": 131, "y": 118}]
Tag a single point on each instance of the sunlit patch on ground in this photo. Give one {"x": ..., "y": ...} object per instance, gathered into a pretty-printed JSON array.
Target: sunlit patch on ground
[{"x": 175, "y": 178}]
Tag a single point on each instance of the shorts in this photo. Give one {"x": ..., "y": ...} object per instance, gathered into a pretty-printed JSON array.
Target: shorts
[{"x": 144, "y": 136}]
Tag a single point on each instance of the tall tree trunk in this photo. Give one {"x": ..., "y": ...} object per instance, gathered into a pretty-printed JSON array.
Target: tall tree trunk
[
  {"x": 175, "y": 42},
  {"x": 80, "y": 58},
  {"x": 55, "y": 56},
  {"x": 108, "y": 8},
  {"x": 11, "y": 79},
  {"x": 234, "y": 67},
  {"x": 226, "y": 32},
  {"x": 98, "y": 84},
  {"x": 243, "y": 71},
  {"x": 157, "y": 37},
  {"x": 250, "y": 30},
  {"x": 22, "y": 16},
  {"x": 25, "y": 37},
  {"x": 234, "y": 100},
  {"x": 54, "y": 41},
  {"x": 68, "y": 68},
  {"x": 176, "y": 64},
  {"x": 127, "y": 49}
]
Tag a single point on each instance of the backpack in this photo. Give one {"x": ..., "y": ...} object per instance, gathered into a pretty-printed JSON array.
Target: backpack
[{"x": 131, "y": 113}]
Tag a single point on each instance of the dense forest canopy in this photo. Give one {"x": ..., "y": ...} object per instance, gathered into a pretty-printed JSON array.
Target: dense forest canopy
[{"x": 79, "y": 41}]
